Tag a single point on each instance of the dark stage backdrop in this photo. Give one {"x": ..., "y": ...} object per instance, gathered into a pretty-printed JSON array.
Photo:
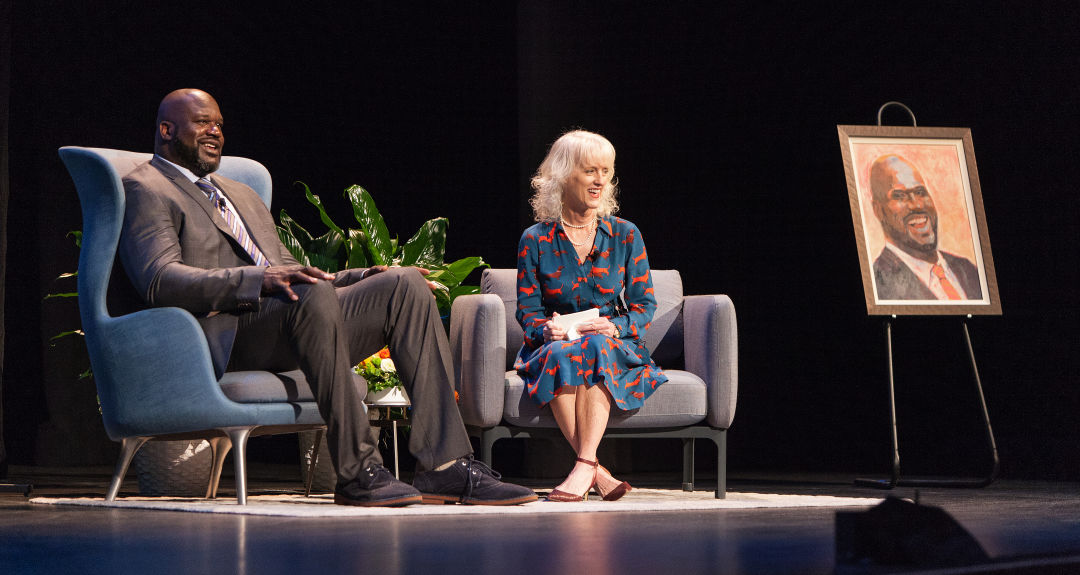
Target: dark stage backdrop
[
  {"x": 5, "y": 182},
  {"x": 724, "y": 120}
]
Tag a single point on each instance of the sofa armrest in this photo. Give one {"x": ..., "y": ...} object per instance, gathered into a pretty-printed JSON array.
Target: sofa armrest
[
  {"x": 478, "y": 345},
  {"x": 711, "y": 351}
]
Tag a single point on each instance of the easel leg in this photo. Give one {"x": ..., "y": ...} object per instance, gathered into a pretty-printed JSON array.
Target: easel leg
[
  {"x": 881, "y": 483},
  {"x": 895, "y": 480},
  {"x": 996, "y": 465}
]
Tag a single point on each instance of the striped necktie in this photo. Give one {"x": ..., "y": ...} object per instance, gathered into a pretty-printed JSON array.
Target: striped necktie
[{"x": 237, "y": 226}]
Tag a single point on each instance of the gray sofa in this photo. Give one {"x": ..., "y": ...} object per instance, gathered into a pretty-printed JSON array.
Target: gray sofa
[{"x": 693, "y": 338}]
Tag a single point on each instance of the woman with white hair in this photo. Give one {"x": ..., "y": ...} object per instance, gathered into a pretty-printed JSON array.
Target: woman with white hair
[{"x": 579, "y": 256}]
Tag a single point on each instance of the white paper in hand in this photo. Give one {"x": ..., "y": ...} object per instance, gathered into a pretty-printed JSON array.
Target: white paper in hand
[{"x": 571, "y": 321}]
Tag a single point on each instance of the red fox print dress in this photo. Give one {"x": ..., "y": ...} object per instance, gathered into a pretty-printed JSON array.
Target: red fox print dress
[{"x": 550, "y": 279}]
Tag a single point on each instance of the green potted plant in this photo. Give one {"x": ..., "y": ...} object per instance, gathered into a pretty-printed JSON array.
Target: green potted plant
[
  {"x": 371, "y": 244},
  {"x": 339, "y": 248}
]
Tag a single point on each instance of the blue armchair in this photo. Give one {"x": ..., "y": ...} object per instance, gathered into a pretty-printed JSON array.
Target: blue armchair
[{"x": 152, "y": 367}]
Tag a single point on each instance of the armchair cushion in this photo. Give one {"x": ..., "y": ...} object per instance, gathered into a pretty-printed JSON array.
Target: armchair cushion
[{"x": 267, "y": 387}]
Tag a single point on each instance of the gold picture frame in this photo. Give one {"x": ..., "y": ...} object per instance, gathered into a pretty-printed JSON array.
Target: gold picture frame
[{"x": 917, "y": 211}]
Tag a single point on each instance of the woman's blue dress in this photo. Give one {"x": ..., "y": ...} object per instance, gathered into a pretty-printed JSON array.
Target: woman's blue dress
[{"x": 550, "y": 279}]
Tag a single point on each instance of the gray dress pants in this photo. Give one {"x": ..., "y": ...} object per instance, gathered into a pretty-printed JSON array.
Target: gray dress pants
[{"x": 330, "y": 329}]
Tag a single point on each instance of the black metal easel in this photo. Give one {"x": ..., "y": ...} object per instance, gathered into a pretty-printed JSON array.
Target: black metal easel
[{"x": 895, "y": 479}]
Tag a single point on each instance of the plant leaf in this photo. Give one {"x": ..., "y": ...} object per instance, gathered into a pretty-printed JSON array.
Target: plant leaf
[
  {"x": 427, "y": 246},
  {"x": 292, "y": 244},
  {"x": 379, "y": 247},
  {"x": 294, "y": 228},
  {"x": 454, "y": 273},
  {"x": 465, "y": 266},
  {"x": 317, "y": 202},
  {"x": 64, "y": 334},
  {"x": 464, "y": 290},
  {"x": 355, "y": 247},
  {"x": 442, "y": 299},
  {"x": 294, "y": 236},
  {"x": 323, "y": 252},
  {"x": 65, "y": 294}
]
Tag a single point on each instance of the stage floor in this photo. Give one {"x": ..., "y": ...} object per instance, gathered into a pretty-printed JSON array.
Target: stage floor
[{"x": 1026, "y": 526}]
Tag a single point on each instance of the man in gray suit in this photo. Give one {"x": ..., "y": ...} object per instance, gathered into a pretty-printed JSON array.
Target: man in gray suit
[
  {"x": 911, "y": 266},
  {"x": 209, "y": 245}
]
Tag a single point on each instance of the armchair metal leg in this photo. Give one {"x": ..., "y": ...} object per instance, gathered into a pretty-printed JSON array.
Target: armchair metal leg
[
  {"x": 315, "y": 460},
  {"x": 239, "y": 437},
  {"x": 128, "y": 447},
  {"x": 220, "y": 447}
]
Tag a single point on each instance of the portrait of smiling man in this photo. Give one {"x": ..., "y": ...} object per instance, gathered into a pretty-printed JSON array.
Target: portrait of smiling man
[{"x": 910, "y": 266}]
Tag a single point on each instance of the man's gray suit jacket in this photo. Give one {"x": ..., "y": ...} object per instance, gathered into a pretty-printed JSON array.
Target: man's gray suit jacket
[
  {"x": 178, "y": 250},
  {"x": 895, "y": 280}
]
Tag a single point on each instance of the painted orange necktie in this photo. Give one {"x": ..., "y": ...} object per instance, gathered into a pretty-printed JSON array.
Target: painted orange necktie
[{"x": 946, "y": 285}]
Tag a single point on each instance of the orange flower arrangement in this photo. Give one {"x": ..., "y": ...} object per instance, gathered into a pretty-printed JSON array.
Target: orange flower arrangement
[{"x": 379, "y": 371}]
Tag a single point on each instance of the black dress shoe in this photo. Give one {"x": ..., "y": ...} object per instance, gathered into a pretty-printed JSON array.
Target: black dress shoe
[
  {"x": 470, "y": 482},
  {"x": 376, "y": 487}
]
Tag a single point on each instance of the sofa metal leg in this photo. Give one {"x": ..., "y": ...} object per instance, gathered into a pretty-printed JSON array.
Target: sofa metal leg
[
  {"x": 488, "y": 437},
  {"x": 688, "y": 464},
  {"x": 721, "y": 463}
]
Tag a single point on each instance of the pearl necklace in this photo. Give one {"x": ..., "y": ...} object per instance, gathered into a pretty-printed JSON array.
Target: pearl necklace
[
  {"x": 581, "y": 227},
  {"x": 588, "y": 237}
]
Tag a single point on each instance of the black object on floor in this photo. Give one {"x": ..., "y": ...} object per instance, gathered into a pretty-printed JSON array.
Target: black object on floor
[{"x": 900, "y": 532}]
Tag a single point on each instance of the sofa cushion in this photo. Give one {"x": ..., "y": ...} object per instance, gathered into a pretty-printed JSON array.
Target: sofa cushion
[{"x": 678, "y": 402}]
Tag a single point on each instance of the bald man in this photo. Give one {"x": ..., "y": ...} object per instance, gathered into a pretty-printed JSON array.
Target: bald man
[
  {"x": 262, "y": 310},
  {"x": 911, "y": 266}
]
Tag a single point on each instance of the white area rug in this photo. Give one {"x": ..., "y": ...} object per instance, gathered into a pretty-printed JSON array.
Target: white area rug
[{"x": 323, "y": 505}]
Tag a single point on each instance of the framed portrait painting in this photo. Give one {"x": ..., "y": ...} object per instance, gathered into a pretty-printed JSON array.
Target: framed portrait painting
[{"x": 917, "y": 210}]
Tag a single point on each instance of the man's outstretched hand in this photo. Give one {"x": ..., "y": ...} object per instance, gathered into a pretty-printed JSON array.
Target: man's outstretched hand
[
  {"x": 279, "y": 279},
  {"x": 423, "y": 271}
]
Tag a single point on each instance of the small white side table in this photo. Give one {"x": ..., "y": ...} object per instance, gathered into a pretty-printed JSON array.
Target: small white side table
[{"x": 382, "y": 410}]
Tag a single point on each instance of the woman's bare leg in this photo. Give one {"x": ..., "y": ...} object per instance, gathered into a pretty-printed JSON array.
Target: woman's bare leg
[{"x": 588, "y": 408}]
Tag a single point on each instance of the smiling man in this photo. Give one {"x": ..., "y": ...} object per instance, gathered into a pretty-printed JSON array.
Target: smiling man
[
  {"x": 202, "y": 242},
  {"x": 911, "y": 266}
]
